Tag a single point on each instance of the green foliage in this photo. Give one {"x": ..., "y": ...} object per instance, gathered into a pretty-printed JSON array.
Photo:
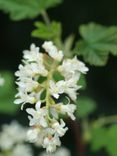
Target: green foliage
[
  {"x": 7, "y": 93},
  {"x": 99, "y": 138},
  {"x": 49, "y": 32},
  {"x": 85, "y": 106},
  {"x": 21, "y": 9},
  {"x": 57, "y": 76},
  {"x": 111, "y": 144},
  {"x": 103, "y": 137},
  {"x": 82, "y": 82},
  {"x": 98, "y": 41}
]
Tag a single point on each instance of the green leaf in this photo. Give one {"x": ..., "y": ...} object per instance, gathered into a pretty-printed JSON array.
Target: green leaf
[
  {"x": 57, "y": 76},
  {"x": 111, "y": 144},
  {"x": 97, "y": 42},
  {"x": 91, "y": 55},
  {"x": 82, "y": 82},
  {"x": 21, "y": 9},
  {"x": 45, "y": 32},
  {"x": 99, "y": 138},
  {"x": 85, "y": 106},
  {"x": 7, "y": 93},
  {"x": 103, "y": 137}
]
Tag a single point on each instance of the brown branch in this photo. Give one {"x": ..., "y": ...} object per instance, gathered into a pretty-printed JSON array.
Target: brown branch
[{"x": 80, "y": 145}]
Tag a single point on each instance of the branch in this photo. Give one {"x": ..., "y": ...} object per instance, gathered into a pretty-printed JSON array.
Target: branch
[
  {"x": 105, "y": 120},
  {"x": 80, "y": 145},
  {"x": 45, "y": 17}
]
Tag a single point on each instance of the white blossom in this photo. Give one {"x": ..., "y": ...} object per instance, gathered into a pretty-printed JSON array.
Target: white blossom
[
  {"x": 38, "y": 115},
  {"x": 52, "y": 50},
  {"x": 12, "y": 134},
  {"x": 20, "y": 150},
  {"x": 30, "y": 71},
  {"x": 60, "y": 152},
  {"x": 48, "y": 137},
  {"x": 70, "y": 67},
  {"x": 68, "y": 109},
  {"x": 28, "y": 85},
  {"x": 69, "y": 87},
  {"x": 24, "y": 98},
  {"x": 51, "y": 143},
  {"x": 60, "y": 128},
  {"x": 33, "y": 54},
  {"x": 32, "y": 135},
  {"x": 56, "y": 88}
]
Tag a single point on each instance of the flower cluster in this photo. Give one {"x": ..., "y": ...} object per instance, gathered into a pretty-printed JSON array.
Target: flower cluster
[
  {"x": 12, "y": 140},
  {"x": 42, "y": 79},
  {"x": 1, "y": 81},
  {"x": 60, "y": 152}
]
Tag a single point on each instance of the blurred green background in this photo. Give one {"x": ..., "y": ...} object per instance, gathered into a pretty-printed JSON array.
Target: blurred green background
[{"x": 101, "y": 81}]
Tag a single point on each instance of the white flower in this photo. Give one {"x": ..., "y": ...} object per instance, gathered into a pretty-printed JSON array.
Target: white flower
[
  {"x": 28, "y": 85},
  {"x": 52, "y": 50},
  {"x": 21, "y": 149},
  {"x": 59, "y": 128},
  {"x": 60, "y": 152},
  {"x": 24, "y": 98},
  {"x": 35, "y": 60},
  {"x": 56, "y": 88},
  {"x": 33, "y": 54},
  {"x": 32, "y": 134},
  {"x": 70, "y": 67},
  {"x": 30, "y": 71},
  {"x": 68, "y": 109},
  {"x": 24, "y": 72},
  {"x": 61, "y": 108},
  {"x": 48, "y": 137},
  {"x": 51, "y": 143},
  {"x": 38, "y": 115},
  {"x": 69, "y": 87},
  {"x": 36, "y": 135},
  {"x": 12, "y": 134},
  {"x": 2, "y": 81}
]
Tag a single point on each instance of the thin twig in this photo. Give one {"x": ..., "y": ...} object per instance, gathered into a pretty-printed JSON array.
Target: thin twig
[
  {"x": 45, "y": 17},
  {"x": 105, "y": 120}
]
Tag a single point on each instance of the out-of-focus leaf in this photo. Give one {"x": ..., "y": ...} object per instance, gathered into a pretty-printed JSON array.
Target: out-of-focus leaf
[
  {"x": 82, "y": 82},
  {"x": 99, "y": 138},
  {"x": 97, "y": 42},
  {"x": 7, "y": 92},
  {"x": 106, "y": 138},
  {"x": 21, "y": 9},
  {"x": 47, "y": 32},
  {"x": 85, "y": 106},
  {"x": 111, "y": 144}
]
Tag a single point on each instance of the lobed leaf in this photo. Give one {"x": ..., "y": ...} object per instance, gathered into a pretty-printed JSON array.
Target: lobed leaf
[
  {"x": 47, "y": 32},
  {"x": 21, "y": 9},
  {"x": 96, "y": 44}
]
